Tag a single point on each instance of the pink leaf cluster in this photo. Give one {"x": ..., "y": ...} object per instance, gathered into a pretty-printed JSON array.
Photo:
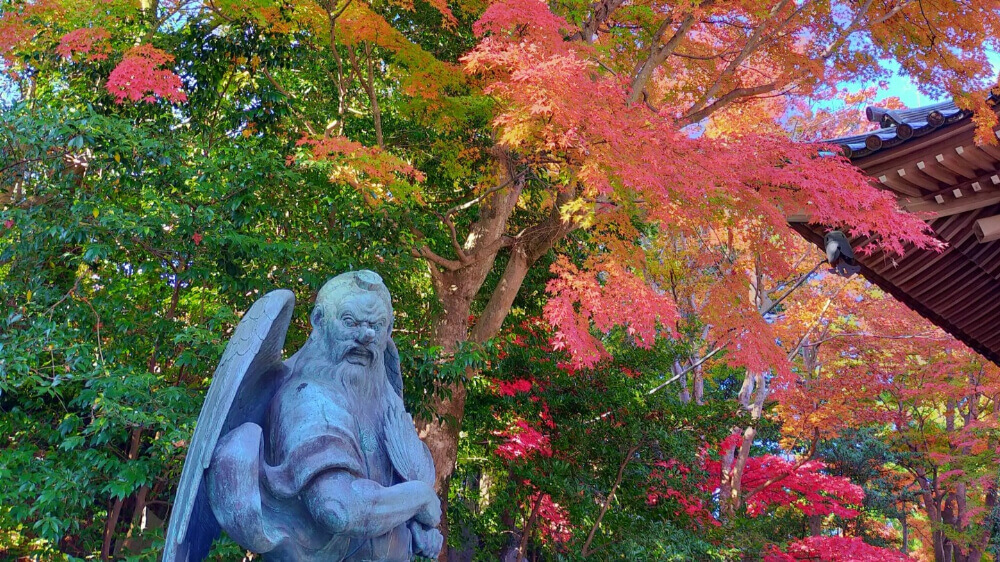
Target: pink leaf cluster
[
  {"x": 558, "y": 107},
  {"x": 512, "y": 388},
  {"x": 522, "y": 441},
  {"x": 513, "y": 18},
  {"x": 554, "y": 520},
  {"x": 772, "y": 481},
  {"x": 20, "y": 22},
  {"x": 834, "y": 549},
  {"x": 14, "y": 31},
  {"x": 609, "y": 297},
  {"x": 660, "y": 490},
  {"x": 139, "y": 77},
  {"x": 91, "y": 42}
]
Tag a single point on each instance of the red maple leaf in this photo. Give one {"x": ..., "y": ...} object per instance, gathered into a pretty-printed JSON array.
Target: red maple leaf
[
  {"x": 139, "y": 77},
  {"x": 92, "y": 42}
]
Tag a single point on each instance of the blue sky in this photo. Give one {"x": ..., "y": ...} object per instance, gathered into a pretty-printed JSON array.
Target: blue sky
[
  {"x": 906, "y": 90},
  {"x": 903, "y": 88}
]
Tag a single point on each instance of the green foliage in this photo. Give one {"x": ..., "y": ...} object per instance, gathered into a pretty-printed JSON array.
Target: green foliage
[
  {"x": 133, "y": 236},
  {"x": 598, "y": 417},
  {"x": 122, "y": 281},
  {"x": 864, "y": 456}
]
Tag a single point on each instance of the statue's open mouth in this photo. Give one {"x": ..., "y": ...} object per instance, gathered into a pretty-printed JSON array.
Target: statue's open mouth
[{"x": 359, "y": 356}]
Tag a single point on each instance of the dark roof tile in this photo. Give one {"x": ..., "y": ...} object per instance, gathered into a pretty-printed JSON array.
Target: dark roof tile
[{"x": 898, "y": 126}]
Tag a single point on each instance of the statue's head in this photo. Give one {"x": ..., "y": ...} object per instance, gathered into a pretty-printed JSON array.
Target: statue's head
[{"x": 353, "y": 318}]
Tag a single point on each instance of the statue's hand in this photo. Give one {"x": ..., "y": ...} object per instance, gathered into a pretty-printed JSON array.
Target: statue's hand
[
  {"x": 426, "y": 541},
  {"x": 430, "y": 513}
]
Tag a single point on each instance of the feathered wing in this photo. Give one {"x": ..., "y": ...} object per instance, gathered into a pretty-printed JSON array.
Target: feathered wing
[
  {"x": 408, "y": 454},
  {"x": 248, "y": 375},
  {"x": 413, "y": 462},
  {"x": 393, "y": 371}
]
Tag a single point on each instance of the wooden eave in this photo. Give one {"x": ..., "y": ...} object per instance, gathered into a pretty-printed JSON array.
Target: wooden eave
[{"x": 952, "y": 183}]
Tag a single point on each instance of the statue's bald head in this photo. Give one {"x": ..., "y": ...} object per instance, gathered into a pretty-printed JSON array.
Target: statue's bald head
[
  {"x": 351, "y": 283},
  {"x": 352, "y": 319}
]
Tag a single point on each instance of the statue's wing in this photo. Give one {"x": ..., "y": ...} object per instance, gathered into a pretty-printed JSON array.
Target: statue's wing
[
  {"x": 408, "y": 454},
  {"x": 248, "y": 375},
  {"x": 393, "y": 370}
]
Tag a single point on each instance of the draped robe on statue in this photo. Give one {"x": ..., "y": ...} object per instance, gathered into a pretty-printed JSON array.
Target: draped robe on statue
[{"x": 315, "y": 426}]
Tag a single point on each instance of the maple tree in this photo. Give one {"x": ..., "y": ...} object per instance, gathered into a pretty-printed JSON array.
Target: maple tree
[
  {"x": 656, "y": 478},
  {"x": 834, "y": 549},
  {"x": 466, "y": 142},
  {"x": 875, "y": 362}
]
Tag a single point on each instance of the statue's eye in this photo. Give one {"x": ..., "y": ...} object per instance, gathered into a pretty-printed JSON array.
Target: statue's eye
[{"x": 349, "y": 322}]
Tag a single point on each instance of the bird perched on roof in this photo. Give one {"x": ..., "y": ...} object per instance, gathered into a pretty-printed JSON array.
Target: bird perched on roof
[{"x": 840, "y": 254}]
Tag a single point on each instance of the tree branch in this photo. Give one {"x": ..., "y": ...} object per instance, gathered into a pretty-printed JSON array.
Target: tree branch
[
  {"x": 725, "y": 100},
  {"x": 429, "y": 255},
  {"x": 607, "y": 502},
  {"x": 753, "y": 42},
  {"x": 774, "y": 480},
  {"x": 600, "y": 14},
  {"x": 846, "y": 32},
  {"x": 453, "y": 233},
  {"x": 285, "y": 93},
  {"x": 658, "y": 54}
]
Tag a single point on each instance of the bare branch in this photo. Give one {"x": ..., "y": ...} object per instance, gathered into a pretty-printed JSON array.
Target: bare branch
[
  {"x": 846, "y": 32},
  {"x": 285, "y": 93},
  {"x": 753, "y": 42},
  {"x": 429, "y": 255},
  {"x": 727, "y": 99},
  {"x": 368, "y": 83},
  {"x": 459, "y": 251},
  {"x": 925, "y": 336},
  {"x": 601, "y": 12},
  {"x": 607, "y": 501},
  {"x": 486, "y": 194},
  {"x": 658, "y": 54},
  {"x": 899, "y": 7}
]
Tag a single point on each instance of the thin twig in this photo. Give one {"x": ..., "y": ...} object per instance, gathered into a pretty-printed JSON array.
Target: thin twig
[
  {"x": 479, "y": 198},
  {"x": 285, "y": 93},
  {"x": 792, "y": 290},
  {"x": 607, "y": 502},
  {"x": 100, "y": 351}
]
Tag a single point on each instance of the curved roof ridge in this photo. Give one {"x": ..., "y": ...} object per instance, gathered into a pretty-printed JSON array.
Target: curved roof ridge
[{"x": 898, "y": 126}]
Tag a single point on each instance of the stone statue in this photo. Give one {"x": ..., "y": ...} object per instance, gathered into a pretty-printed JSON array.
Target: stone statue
[{"x": 313, "y": 458}]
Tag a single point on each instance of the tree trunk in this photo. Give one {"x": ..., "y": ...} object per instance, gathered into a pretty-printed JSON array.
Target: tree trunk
[
  {"x": 699, "y": 384},
  {"x": 815, "y": 525},
  {"x": 457, "y": 283},
  {"x": 752, "y": 396},
  {"x": 685, "y": 394},
  {"x": 906, "y": 532},
  {"x": 441, "y": 434},
  {"x": 458, "y": 290}
]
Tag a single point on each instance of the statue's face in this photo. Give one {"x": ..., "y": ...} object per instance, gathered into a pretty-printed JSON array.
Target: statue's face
[{"x": 358, "y": 332}]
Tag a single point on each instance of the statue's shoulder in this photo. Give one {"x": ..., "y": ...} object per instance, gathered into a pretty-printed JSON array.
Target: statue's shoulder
[
  {"x": 310, "y": 431},
  {"x": 304, "y": 398}
]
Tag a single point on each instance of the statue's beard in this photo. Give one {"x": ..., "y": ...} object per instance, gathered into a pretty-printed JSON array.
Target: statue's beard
[{"x": 360, "y": 369}]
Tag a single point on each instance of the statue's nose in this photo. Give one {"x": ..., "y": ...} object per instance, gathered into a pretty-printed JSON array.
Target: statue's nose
[{"x": 365, "y": 336}]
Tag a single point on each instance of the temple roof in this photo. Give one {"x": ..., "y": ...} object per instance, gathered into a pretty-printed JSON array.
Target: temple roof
[
  {"x": 928, "y": 158},
  {"x": 899, "y": 126}
]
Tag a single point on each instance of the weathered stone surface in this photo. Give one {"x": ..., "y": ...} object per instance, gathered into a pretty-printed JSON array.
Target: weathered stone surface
[{"x": 313, "y": 458}]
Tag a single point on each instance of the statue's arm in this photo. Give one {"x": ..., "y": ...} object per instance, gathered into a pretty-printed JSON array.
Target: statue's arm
[{"x": 345, "y": 505}]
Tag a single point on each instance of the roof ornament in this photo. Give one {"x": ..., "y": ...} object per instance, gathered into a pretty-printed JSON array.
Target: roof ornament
[{"x": 840, "y": 254}]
